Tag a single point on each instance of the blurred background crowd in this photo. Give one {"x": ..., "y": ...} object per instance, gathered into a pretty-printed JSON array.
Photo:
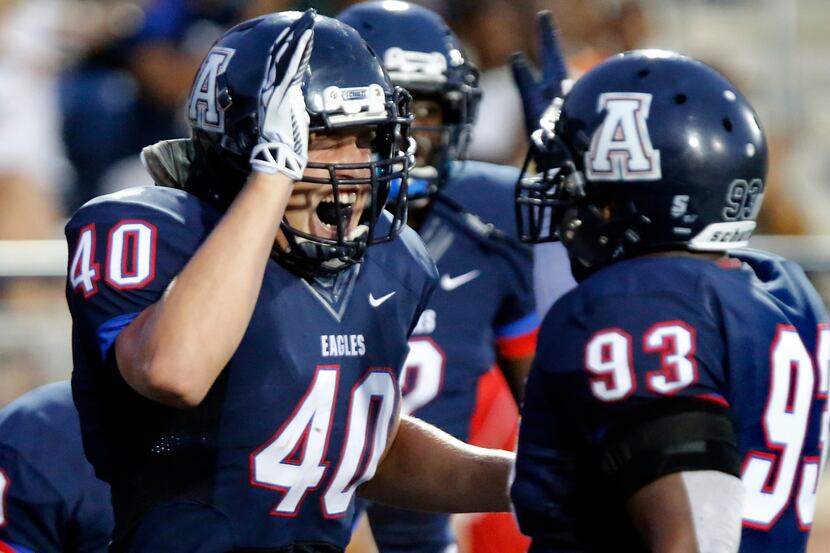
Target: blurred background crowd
[{"x": 85, "y": 84}]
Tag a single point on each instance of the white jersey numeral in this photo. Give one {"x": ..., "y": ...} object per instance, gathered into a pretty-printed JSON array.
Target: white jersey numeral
[
  {"x": 769, "y": 478},
  {"x": 131, "y": 257},
  {"x": 83, "y": 271},
  {"x": 4, "y": 487},
  {"x": 675, "y": 341},
  {"x": 770, "y": 475},
  {"x": 814, "y": 466},
  {"x": 608, "y": 358},
  {"x": 293, "y": 460},
  {"x": 423, "y": 374},
  {"x": 370, "y": 413}
]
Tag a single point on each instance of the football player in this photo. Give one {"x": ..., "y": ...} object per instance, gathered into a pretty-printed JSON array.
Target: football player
[
  {"x": 50, "y": 499},
  {"x": 483, "y": 311},
  {"x": 235, "y": 389},
  {"x": 678, "y": 400}
]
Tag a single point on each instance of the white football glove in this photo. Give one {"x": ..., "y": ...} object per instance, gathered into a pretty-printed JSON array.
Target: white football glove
[{"x": 283, "y": 120}]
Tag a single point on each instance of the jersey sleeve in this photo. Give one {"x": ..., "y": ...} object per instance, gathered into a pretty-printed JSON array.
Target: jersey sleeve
[
  {"x": 122, "y": 257},
  {"x": 32, "y": 512},
  {"x": 92, "y": 522},
  {"x": 516, "y": 322},
  {"x": 545, "y": 490}
]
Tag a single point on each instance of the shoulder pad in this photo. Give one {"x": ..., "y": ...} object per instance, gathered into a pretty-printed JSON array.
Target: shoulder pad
[{"x": 148, "y": 201}]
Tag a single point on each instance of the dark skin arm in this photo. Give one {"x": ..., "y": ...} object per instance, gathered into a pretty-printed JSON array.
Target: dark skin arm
[
  {"x": 515, "y": 370},
  {"x": 661, "y": 514}
]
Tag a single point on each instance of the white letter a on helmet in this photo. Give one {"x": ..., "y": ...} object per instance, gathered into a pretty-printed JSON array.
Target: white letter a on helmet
[
  {"x": 621, "y": 147},
  {"x": 203, "y": 108}
]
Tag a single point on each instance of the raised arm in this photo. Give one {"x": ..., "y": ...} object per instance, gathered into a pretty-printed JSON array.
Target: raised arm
[{"x": 175, "y": 349}]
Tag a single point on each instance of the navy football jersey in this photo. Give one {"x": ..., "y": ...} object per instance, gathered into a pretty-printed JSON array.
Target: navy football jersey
[
  {"x": 749, "y": 333},
  {"x": 50, "y": 499},
  {"x": 484, "y": 303},
  {"x": 294, "y": 424}
]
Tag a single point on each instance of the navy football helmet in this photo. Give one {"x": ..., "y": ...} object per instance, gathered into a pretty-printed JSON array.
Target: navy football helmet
[
  {"x": 649, "y": 151},
  {"x": 345, "y": 88},
  {"x": 422, "y": 54}
]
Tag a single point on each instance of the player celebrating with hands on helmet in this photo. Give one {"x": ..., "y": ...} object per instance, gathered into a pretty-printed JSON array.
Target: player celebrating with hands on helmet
[
  {"x": 679, "y": 394},
  {"x": 236, "y": 339}
]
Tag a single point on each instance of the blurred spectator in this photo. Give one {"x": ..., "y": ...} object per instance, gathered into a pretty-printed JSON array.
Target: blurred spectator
[
  {"x": 127, "y": 94},
  {"x": 130, "y": 92},
  {"x": 32, "y": 165},
  {"x": 37, "y": 37},
  {"x": 590, "y": 30},
  {"x": 18, "y": 374},
  {"x": 780, "y": 213},
  {"x": 492, "y": 31}
]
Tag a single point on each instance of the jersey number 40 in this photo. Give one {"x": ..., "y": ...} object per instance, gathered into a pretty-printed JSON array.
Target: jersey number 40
[
  {"x": 131, "y": 257},
  {"x": 294, "y": 461}
]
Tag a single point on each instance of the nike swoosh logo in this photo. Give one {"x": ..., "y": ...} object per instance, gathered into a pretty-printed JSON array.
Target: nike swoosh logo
[
  {"x": 374, "y": 302},
  {"x": 449, "y": 283}
]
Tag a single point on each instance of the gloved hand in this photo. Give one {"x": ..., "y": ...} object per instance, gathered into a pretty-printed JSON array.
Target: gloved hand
[
  {"x": 539, "y": 93},
  {"x": 283, "y": 119}
]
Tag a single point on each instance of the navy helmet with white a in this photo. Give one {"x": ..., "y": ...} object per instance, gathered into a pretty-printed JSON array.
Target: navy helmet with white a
[
  {"x": 652, "y": 150},
  {"x": 345, "y": 87},
  {"x": 422, "y": 54}
]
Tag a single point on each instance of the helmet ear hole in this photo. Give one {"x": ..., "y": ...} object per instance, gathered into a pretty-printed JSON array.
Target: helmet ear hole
[
  {"x": 643, "y": 73},
  {"x": 680, "y": 99},
  {"x": 727, "y": 124}
]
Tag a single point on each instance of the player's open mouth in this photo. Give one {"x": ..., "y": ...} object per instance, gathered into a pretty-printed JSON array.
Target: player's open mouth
[{"x": 328, "y": 213}]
